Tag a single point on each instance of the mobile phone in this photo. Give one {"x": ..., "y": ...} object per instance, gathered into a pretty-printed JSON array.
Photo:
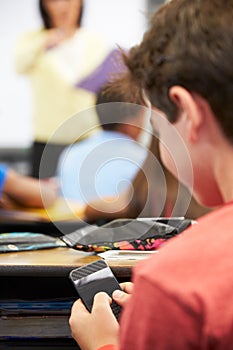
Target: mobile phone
[{"x": 93, "y": 278}]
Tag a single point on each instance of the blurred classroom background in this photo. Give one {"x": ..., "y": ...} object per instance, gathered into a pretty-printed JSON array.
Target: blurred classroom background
[{"x": 121, "y": 22}]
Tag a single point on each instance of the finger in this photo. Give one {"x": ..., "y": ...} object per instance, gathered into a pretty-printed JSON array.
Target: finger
[
  {"x": 101, "y": 303},
  {"x": 127, "y": 287},
  {"x": 120, "y": 297},
  {"x": 78, "y": 307},
  {"x": 101, "y": 298},
  {"x": 102, "y": 312},
  {"x": 78, "y": 311}
]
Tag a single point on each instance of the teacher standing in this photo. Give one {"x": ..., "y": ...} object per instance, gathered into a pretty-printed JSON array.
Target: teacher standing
[{"x": 66, "y": 64}]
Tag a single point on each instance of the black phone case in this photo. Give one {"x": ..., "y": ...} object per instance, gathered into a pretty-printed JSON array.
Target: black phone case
[{"x": 87, "y": 290}]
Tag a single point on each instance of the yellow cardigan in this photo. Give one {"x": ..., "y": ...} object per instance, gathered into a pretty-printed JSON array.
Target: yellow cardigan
[{"x": 54, "y": 75}]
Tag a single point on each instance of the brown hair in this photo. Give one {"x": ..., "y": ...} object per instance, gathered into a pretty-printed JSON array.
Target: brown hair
[
  {"x": 189, "y": 43},
  {"x": 117, "y": 100},
  {"x": 47, "y": 20}
]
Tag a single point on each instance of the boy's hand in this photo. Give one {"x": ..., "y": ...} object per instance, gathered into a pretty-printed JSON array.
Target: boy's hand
[{"x": 95, "y": 329}]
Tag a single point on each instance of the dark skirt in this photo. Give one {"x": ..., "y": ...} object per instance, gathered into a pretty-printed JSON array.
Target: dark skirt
[{"x": 44, "y": 159}]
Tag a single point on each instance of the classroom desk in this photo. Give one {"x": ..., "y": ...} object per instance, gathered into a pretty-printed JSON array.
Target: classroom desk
[
  {"x": 56, "y": 262},
  {"x": 43, "y": 274}
]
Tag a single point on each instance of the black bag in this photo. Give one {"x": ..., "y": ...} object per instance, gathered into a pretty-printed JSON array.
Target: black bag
[{"x": 126, "y": 234}]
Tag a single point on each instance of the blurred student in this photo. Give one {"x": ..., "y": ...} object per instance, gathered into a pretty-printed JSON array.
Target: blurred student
[
  {"x": 25, "y": 190},
  {"x": 155, "y": 191},
  {"x": 181, "y": 297},
  {"x": 66, "y": 64},
  {"x": 105, "y": 163}
]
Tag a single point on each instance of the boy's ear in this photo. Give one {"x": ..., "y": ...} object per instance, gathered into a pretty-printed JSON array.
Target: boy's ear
[{"x": 188, "y": 107}]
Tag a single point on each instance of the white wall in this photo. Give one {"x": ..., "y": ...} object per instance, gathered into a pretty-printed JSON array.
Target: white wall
[{"x": 121, "y": 21}]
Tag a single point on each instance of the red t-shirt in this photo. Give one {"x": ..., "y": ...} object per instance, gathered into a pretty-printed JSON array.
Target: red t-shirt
[{"x": 184, "y": 294}]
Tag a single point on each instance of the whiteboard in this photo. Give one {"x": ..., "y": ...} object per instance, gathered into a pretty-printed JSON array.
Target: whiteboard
[{"x": 122, "y": 22}]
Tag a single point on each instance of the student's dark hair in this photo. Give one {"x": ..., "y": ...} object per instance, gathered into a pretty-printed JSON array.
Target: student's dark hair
[
  {"x": 116, "y": 101},
  {"x": 47, "y": 20},
  {"x": 190, "y": 44}
]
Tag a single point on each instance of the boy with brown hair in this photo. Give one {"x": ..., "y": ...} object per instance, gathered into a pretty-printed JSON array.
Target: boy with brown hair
[{"x": 182, "y": 297}]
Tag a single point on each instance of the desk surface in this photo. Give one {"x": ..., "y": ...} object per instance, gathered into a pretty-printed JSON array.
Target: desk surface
[{"x": 55, "y": 262}]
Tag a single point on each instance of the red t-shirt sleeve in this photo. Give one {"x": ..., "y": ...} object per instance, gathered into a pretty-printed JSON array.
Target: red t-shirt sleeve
[{"x": 108, "y": 347}]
